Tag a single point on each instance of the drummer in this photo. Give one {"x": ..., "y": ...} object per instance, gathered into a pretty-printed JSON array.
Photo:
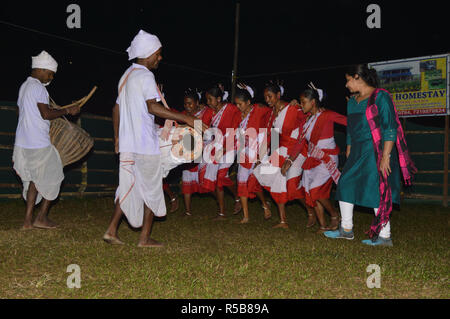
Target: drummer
[
  {"x": 140, "y": 194},
  {"x": 35, "y": 159}
]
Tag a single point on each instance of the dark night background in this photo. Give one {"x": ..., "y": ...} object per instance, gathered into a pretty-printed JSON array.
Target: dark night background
[{"x": 275, "y": 37}]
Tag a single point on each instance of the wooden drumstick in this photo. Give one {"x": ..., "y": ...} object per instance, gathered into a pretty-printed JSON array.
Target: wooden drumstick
[{"x": 81, "y": 101}]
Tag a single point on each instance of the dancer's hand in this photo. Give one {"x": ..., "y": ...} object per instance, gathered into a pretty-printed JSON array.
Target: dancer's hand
[
  {"x": 385, "y": 167},
  {"x": 190, "y": 120},
  {"x": 286, "y": 165},
  {"x": 294, "y": 102}
]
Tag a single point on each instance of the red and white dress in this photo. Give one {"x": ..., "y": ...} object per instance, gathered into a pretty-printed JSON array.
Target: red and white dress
[
  {"x": 288, "y": 125},
  {"x": 253, "y": 131},
  {"x": 214, "y": 173},
  {"x": 190, "y": 176},
  {"x": 320, "y": 151}
]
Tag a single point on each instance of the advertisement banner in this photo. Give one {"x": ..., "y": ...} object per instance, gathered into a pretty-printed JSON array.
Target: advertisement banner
[{"x": 419, "y": 86}]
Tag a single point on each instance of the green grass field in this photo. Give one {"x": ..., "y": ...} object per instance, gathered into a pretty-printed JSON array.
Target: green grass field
[{"x": 221, "y": 259}]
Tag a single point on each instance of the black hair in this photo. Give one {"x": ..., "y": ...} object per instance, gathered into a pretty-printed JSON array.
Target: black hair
[
  {"x": 312, "y": 94},
  {"x": 243, "y": 94},
  {"x": 367, "y": 75},
  {"x": 272, "y": 87},
  {"x": 215, "y": 91},
  {"x": 192, "y": 93}
]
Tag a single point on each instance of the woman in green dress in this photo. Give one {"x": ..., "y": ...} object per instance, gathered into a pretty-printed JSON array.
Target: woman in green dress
[{"x": 359, "y": 183}]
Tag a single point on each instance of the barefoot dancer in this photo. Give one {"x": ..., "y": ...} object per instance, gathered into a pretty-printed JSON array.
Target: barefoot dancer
[
  {"x": 140, "y": 194},
  {"x": 213, "y": 173},
  {"x": 251, "y": 134},
  {"x": 288, "y": 123},
  {"x": 190, "y": 185},
  {"x": 318, "y": 147},
  {"x": 36, "y": 160}
]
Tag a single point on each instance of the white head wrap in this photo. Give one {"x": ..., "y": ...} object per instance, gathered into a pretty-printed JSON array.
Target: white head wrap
[
  {"x": 319, "y": 91},
  {"x": 143, "y": 45},
  {"x": 44, "y": 61}
]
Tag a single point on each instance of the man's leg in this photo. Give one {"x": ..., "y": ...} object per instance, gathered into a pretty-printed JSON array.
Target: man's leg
[
  {"x": 111, "y": 233},
  {"x": 144, "y": 239},
  {"x": 31, "y": 200},
  {"x": 42, "y": 220}
]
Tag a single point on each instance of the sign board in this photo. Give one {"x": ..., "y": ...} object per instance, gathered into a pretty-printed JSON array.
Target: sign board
[{"x": 419, "y": 86}]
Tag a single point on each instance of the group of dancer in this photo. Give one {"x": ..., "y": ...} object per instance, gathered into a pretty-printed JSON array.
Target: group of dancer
[{"x": 285, "y": 148}]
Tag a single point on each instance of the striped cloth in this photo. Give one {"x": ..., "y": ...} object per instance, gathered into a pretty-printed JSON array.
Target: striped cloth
[{"x": 406, "y": 164}]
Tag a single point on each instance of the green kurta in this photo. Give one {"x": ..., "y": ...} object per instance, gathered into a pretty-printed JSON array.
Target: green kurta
[{"x": 359, "y": 182}]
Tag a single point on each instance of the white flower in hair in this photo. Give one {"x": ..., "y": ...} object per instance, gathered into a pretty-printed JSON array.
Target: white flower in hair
[
  {"x": 319, "y": 91},
  {"x": 243, "y": 86},
  {"x": 281, "y": 90}
]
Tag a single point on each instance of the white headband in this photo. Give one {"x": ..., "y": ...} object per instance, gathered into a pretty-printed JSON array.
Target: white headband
[
  {"x": 44, "y": 61},
  {"x": 319, "y": 91}
]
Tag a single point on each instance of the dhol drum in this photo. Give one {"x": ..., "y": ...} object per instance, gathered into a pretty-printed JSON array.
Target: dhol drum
[
  {"x": 184, "y": 145},
  {"x": 71, "y": 141}
]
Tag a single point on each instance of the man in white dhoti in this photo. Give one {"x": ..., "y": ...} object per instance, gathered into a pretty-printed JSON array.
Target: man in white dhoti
[
  {"x": 140, "y": 194},
  {"x": 35, "y": 159}
]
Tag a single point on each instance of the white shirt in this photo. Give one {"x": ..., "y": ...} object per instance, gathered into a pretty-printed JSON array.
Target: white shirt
[
  {"x": 32, "y": 130},
  {"x": 137, "y": 128}
]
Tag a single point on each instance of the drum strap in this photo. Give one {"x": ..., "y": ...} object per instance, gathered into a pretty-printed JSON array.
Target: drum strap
[{"x": 169, "y": 123}]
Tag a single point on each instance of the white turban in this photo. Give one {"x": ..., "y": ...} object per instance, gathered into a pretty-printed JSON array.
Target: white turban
[
  {"x": 44, "y": 61},
  {"x": 143, "y": 45}
]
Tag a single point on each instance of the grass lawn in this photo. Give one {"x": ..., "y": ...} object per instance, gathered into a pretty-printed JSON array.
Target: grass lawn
[{"x": 221, "y": 259}]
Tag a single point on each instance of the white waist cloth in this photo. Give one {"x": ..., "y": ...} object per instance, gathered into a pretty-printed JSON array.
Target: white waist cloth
[
  {"x": 140, "y": 182},
  {"x": 43, "y": 167}
]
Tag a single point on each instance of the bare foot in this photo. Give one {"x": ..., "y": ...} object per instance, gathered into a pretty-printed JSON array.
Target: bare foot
[
  {"x": 220, "y": 217},
  {"x": 267, "y": 213},
  {"x": 334, "y": 223},
  {"x": 281, "y": 225},
  {"x": 311, "y": 221},
  {"x": 44, "y": 224},
  {"x": 244, "y": 221},
  {"x": 27, "y": 226},
  {"x": 112, "y": 240},
  {"x": 150, "y": 243},
  {"x": 321, "y": 230},
  {"x": 237, "y": 207},
  {"x": 174, "y": 205}
]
